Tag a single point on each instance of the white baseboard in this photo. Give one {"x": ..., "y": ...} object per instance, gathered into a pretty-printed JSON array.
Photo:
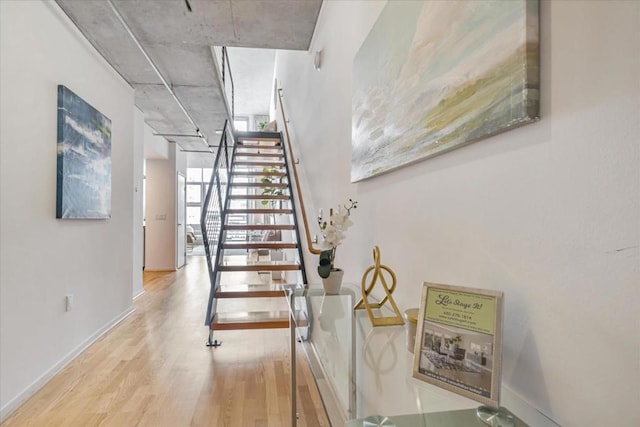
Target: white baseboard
[
  {"x": 14, "y": 403},
  {"x": 139, "y": 294}
]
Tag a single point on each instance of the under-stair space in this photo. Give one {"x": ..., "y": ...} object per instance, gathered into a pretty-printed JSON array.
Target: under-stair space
[{"x": 257, "y": 249}]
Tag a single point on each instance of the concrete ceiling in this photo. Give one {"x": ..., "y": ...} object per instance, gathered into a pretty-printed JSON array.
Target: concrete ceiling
[
  {"x": 178, "y": 41},
  {"x": 253, "y": 78}
]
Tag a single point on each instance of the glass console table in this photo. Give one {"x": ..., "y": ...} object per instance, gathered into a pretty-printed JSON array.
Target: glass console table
[{"x": 362, "y": 371}]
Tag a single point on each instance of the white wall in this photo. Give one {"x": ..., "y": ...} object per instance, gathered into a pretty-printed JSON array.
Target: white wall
[
  {"x": 181, "y": 169},
  {"x": 200, "y": 160},
  {"x": 155, "y": 147},
  {"x": 157, "y": 242},
  {"x": 138, "y": 194},
  {"x": 548, "y": 213},
  {"x": 161, "y": 209},
  {"x": 180, "y": 159},
  {"x": 42, "y": 259},
  {"x": 160, "y": 218}
]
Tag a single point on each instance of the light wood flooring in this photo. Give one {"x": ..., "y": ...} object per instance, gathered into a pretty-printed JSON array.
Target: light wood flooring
[{"x": 154, "y": 369}]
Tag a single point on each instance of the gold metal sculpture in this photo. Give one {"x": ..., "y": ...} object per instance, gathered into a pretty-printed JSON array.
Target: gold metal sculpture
[{"x": 378, "y": 270}]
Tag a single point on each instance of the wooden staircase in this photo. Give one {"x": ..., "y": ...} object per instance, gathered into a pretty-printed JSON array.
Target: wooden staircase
[{"x": 257, "y": 232}]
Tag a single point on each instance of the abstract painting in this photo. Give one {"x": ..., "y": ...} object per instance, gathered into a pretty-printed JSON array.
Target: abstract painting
[
  {"x": 436, "y": 75},
  {"x": 84, "y": 159}
]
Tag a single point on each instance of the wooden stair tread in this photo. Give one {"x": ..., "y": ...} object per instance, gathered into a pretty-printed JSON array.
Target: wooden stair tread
[
  {"x": 259, "y": 197},
  {"x": 257, "y": 154},
  {"x": 259, "y": 245},
  {"x": 256, "y": 320},
  {"x": 256, "y": 135},
  {"x": 260, "y": 184},
  {"x": 236, "y": 196},
  {"x": 258, "y": 211},
  {"x": 258, "y": 148},
  {"x": 251, "y": 320},
  {"x": 257, "y": 168},
  {"x": 257, "y": 173},
  {"x": 259, "y": 227},
  {"x": 258, "y": 142},
  {"x": 259, "y": 163},
  {"x": 259, "y": 267},
  {"x": 249, "y": 291}
]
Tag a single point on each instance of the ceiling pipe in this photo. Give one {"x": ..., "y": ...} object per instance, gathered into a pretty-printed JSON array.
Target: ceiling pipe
[
  {"x": 155, "y": 68},
  {"x": 181, "y": 135}
]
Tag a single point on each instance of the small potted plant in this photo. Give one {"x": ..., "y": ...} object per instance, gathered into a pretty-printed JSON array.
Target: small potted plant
[
  {"x": 333, "y": 233},
  {"x": 274, "y": 191}
]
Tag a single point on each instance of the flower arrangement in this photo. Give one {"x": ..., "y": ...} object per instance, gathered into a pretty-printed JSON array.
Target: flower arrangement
[{"x": 333, "y": 233}]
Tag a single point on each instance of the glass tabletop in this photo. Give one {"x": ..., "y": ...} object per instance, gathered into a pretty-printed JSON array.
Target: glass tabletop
[{"x": 363, "y": 370}]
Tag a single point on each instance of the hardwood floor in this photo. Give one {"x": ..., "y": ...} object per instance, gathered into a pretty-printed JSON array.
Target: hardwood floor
[{"x": 154, "y": 369}]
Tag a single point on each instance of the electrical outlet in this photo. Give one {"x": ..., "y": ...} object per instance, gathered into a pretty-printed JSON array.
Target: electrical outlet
[{"x": 69, "y": 302}]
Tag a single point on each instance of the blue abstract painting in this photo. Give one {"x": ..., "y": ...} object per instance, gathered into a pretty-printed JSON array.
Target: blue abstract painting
[
  {"x": 433, "y": 76},
  {"x": 84, "y": 159}
]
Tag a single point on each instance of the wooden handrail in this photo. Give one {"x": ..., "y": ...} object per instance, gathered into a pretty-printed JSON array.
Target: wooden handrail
[{"x": 313, "y": 250}]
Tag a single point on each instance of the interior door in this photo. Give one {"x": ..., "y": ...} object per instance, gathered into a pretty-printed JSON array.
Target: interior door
[{"x": 181, "y": 249}]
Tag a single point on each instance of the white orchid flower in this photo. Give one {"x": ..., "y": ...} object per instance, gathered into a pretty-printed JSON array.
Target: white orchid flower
[
  {"x": 333, "y": 230},
  {"x": 333, "y": 235},
  {"x": 325, "y": 246}
]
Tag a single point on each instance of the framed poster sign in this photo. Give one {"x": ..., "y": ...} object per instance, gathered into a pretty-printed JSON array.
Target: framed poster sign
[{"x": 459, "y": 341}]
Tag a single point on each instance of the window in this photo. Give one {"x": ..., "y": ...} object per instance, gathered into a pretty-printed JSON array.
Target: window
[
  {"x": 197, "y": 185},
  {"x": 194, "y": 175},
  {"x": 241, "y": 124},
  {"x": 206, "y": 175},
  {"x": 193, "y": 215},
  {"x": 194, "y": 193}
]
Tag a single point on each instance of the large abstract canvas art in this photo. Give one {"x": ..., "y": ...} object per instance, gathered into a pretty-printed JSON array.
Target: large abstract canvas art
[
  {"x": 84, "y": 159},
  {"x": 436, "y": 75}
]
